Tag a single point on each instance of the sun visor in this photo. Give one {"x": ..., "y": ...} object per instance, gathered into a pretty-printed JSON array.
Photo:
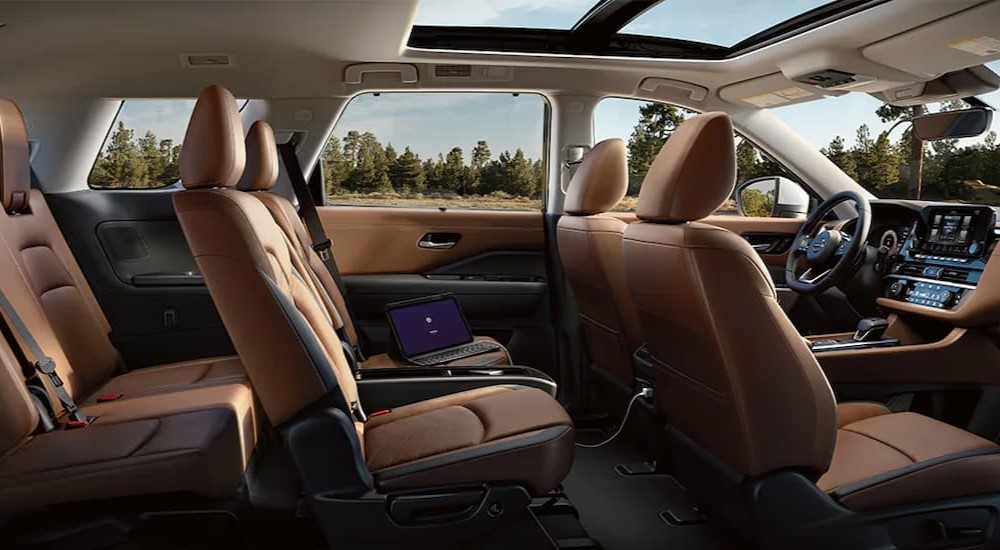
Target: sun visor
[{"x": 969, "y": 82}]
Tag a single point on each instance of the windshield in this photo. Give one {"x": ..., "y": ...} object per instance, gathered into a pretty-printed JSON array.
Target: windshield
[{"x": 853, "y": 131}]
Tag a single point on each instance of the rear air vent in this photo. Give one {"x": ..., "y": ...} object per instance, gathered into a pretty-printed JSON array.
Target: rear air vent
[
  {"x": 206, "y": 60},
  {"x": 453, "y": 71},
  {"x": 955, "y": 275}
]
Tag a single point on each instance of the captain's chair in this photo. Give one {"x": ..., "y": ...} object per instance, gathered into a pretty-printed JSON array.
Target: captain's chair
[
  {"x": 754, "y": 431},
  {"x": 590, "y": 247}
]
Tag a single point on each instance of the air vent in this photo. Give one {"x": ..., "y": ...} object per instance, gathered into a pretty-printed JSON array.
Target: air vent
[
  {"x": 452, "y": 71},
  {"x": 955, "y": 275},
  {"x": 206, "y": 60},
  {"x": 910, "y": 269}
]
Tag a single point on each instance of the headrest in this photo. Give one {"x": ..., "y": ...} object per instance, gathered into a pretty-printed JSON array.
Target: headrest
[
  {"x": 262, "y": 159},
  {"x": 212, "y": 154},
  {"x": 600, "y": 181},
  {"x": 694, "y": 173},
  {"x": 15, "y": 181}
]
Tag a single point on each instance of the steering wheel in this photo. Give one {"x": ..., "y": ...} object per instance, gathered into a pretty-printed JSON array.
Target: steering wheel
[{"x": 830, "y": 255}]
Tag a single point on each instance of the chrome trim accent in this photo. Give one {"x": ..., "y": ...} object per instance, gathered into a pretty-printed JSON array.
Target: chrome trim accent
[
  {"x": 931, "y": 281},
  {"x": 803, "y": 279},
  {"x": 493, "y": 380},
  {"x": 854, "y": 345}
]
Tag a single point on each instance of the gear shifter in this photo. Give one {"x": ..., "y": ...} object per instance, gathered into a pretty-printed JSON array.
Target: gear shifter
[{"x": 870, "y": 329}]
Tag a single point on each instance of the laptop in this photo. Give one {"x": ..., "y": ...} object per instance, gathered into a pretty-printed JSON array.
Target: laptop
[{"x": 432, "y": 330}]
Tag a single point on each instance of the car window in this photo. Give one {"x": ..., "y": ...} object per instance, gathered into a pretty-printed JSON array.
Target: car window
[
  {"x": 143, "y": 145},
  {"x": 872, "y": 143},
  {"x": 646, "y": 126},
  {"x": 438, "y": 149}
]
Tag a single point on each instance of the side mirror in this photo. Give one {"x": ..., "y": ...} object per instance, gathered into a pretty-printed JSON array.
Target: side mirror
[
  {"x": 772, "y": 197},
  {"x": 952, "y": 124}
]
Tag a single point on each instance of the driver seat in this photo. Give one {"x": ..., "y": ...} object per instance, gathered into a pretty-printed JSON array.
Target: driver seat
[{"x": 753, "y": 429}]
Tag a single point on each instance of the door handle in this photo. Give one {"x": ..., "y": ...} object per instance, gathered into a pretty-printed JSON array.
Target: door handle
[
  {"x": 763, "y": 247},
  {"x": 439, "y": 241}
]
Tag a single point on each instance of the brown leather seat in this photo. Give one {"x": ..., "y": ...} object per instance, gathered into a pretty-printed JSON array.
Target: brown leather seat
[
  {"x": 590, "y": 247},
  {"x": 258, "y": 178},
  {"x": 184, "y": 427},
  {"x": 294, "y": 357},
  {"x": 741, "y": 391},
  {"x": 51, "y": 277}
]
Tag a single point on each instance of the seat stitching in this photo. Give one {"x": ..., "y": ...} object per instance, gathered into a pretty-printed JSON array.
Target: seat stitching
[{"x": 893, "y": 447}]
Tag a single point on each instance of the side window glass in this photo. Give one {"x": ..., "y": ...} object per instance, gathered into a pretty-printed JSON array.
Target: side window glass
[
  {"x": 646, "y": 126},
  {"x": 438, "y": 149}
]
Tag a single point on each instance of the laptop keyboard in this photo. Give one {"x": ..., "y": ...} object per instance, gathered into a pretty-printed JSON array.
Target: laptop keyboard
[{"x": 475, "y": 348}]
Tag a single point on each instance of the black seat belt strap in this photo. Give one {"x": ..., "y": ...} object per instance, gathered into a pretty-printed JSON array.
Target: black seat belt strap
[
  {"x": 34, "y": 361},
  {"x": 307, "y": 209}
]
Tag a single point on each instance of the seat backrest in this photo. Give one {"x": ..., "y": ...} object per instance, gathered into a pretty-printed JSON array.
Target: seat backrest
[
  {"x": 258, "y": 178},
  {"x": 277, "y": 324},
  {"x": 18, "y": 415},
  {"x": 734, "y": 375},
  {"x": 40, "y": 276},
  {"x": 590, "y": 248},
  {"x": 48, "y": 264}
]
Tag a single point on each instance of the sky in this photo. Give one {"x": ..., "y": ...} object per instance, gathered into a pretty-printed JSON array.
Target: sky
[{"x": 434, "y": 123}]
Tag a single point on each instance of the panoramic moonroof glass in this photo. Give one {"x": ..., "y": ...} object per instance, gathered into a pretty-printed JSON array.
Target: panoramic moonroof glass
[
  {"x": 720, "y": 22},
  {"x": 527, "y": 14}
]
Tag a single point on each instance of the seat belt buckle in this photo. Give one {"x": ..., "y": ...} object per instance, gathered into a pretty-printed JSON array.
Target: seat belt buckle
[
  {"x": 106, "y": 397},
  {"x": 80, "y": 423},
  {"x": 323, "y": 249},
  {"x": 358, "y": 412},
  {"x": 47, "y": 366}
]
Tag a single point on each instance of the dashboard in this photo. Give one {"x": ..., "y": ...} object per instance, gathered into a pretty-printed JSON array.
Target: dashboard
[{"x": 932, "y": 257}]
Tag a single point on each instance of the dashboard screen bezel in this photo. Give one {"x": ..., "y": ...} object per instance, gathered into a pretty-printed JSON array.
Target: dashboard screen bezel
[{"x": 981, "y": 230}]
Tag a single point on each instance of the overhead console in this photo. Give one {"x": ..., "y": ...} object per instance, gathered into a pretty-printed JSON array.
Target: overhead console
[{"x": 939, "y": 270}]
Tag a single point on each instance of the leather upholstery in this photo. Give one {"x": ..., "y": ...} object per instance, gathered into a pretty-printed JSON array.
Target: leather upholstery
[
  {"x": 693, "y": 174},
  {"x": 601, "y": 180},
  {"x": 261, "y": 170},
  {"x": 213, "y": 153},
  {"x": 474, "y": 436},
  {"x": 187, "y": 427},
  {"x": 930, "y": 460},
  {"x": 709, "y": 331},
  {"x": 590, "y": 248},
  {"x": 16, "y": 173},
  {"x": 260, "y": 175},
  {"x": 278, "y": 323},
  {"x": 737, "y": 379}
]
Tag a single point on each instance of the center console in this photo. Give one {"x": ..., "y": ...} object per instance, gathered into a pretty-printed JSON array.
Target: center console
[{"x": 943, "y": 258}]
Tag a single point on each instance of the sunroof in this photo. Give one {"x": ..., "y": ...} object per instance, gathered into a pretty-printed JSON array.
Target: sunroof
[
  {"x": 526, "y": 14},
  {"x": 680, "y": 29},
  {"x": 720, "y": 22}
]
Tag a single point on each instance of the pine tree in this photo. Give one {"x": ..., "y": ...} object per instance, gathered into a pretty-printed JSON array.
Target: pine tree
[
  {"x": 407, "y": 173},
  {"x": 838, "y": 154},
  {"x": 336, "y": 168}
]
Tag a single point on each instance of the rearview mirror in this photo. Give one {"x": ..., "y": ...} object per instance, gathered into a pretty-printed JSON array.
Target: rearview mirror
[
  {"x": 772, "y": 197},
  {"x": 952, "y": 124}
]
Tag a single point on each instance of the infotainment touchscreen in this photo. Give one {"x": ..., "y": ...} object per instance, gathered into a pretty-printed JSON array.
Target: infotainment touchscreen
[{"x": 956, "y": 230}]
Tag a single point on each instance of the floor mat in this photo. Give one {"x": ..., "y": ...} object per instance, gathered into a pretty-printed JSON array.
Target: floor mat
[{"x": 624, "y": 512}]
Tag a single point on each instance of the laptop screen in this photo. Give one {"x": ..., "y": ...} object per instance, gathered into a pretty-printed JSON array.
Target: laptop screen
[{"x": 428, "y": 326}]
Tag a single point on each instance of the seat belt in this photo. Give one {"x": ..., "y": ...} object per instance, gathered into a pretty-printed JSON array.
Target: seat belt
[
  {"x": 307, "y": 209},
  {"x": 34, "y": 362}
]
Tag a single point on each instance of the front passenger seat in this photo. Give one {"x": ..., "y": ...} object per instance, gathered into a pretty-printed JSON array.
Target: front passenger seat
[
  {"x": 590, "y": 247},
  {"x": 754, "y": 431}
]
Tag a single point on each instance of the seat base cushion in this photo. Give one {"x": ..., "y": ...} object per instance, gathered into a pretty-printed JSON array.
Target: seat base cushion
[
  {"x": 884, "y": 459},
  {"x": 196, "y": 452},
  {"x": 494, "y": 358},
  {"x": 172, "y": 377},
  {"x": 493, "y": 434}
]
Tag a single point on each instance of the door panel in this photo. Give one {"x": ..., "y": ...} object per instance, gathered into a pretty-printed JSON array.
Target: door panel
[
  {"x": 370, "y": 240},
  {"x": 134, "y": 255},
  {"x": 496, "y": 268}
]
